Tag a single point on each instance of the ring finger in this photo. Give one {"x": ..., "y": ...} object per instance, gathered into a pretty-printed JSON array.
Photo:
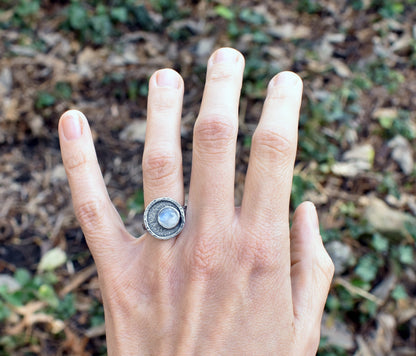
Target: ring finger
[
  {"x": 162, "y": 158},
  {"x": 270, "y": 171}
]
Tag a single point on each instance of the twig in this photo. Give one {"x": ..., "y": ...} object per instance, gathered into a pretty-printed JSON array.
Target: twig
[
  {"x": 79, "y": 278},
  {"x": 358, "y": 291}
]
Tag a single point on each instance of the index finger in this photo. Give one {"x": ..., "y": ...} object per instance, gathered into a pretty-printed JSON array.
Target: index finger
[{"x": 96, "y": 214}]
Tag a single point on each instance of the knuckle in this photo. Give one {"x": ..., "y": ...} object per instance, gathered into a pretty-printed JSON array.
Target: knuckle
[
  {"x": 158, "y": 166},
  {"x": 228, "y": 70},
  {"x": 330, "y": 267},
  {"x": 265, "y": 258},
  {"x": 90, "y": 214},
  {"x": 164, "y": 99},
  {"x": 214, "y": 134},
  {"x": 269, "y": 143},
  {"x": 76, "y": 161},
  {"x": 123, "y": 293},
  {"x": 205, "y": 261},
  {"x": 221, "y": 73},
  {"x": 326, "y": 265},
  {"x": 259, "y": 254},
  {"x": 279, "y": 94}
]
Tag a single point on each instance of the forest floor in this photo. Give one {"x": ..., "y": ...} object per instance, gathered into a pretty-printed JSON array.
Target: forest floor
[{"x": 355, "y": 157}]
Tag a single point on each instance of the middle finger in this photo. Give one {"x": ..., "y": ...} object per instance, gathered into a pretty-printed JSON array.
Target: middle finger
[{"x": 213, "y": 162}]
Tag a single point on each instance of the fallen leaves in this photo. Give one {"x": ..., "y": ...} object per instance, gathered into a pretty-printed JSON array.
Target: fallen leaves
[
  {"x": 359, "y": 80},
  {"x": 27, "y": 316}
]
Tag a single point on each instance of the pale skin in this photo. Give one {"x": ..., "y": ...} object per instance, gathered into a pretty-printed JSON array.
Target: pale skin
[{"x": 236, "y": 281}]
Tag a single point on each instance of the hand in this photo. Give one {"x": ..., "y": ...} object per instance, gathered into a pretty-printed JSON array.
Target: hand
[{"x": 236, "y": 281}]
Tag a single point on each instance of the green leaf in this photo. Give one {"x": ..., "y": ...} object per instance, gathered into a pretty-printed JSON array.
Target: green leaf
[
  {"x": 380, "y": 243},
  {"x": 369, "y": 307},
  {"x": 224, "y": 12},
  {"x": 357, "y": 4},
  {"x": 17, "y": 298},
  {"x": 96, "y": 314},
  {"x": 399, "y": 293},
  {"x": 102, "y": 27},
  {"x": 48, "y": 295},
  {"x": 23, "y": 276},
  {"x": 27, "y": 7},
  {"x": 4, "y": 311},
  {"x": 411, "y": 228},
  {"x": 48, "y": 277},
  {"x": 252, "y": 17},
  {"x": 247, "y": 141},
  {"x": 367, "y": 268},
  {"x": 261, "y": 37},
  {"x": 66, "y": 308},
  {"x": 406, "y": 255},
  {"x": 44, "y": 100},
  {"x": 299, "y": 187},
  {"x": 136, "y": 202},
  {"x": 389, "y": 185},
  {"x": 386, "y": 122},
  {"x": 143, "y": 19},
  {"x": 63, "y": 90},
  {"x": 101, "y": 9},
  {"x": 309, "y": 6},
  {"x": 168, "y": 8},
  {"x": 332, "y": 303},
  {"x": 77, "y": 16},
  {"x": 119, "y": 14},
  {"x": 52, "y": 259}
]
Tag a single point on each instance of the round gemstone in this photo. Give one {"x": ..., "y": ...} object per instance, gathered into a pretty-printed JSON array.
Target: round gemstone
[{"x": 168, "y": 217}]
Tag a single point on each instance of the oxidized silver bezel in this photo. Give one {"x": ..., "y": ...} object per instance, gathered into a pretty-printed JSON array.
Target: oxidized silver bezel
[{"x": 150, "y": 218}]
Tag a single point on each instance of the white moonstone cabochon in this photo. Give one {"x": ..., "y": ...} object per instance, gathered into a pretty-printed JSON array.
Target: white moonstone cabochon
[{"x": 168, "y": 217}]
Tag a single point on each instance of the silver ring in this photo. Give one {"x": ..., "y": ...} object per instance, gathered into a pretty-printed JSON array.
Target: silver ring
[{"x": 164, "y": 218}]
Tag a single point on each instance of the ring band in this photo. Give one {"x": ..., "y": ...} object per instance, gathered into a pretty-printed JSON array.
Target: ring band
[{"x": 164, "y": 218}]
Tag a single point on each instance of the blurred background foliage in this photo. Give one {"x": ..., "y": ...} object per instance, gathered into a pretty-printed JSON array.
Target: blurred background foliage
[{"x": 355, "y": 159}]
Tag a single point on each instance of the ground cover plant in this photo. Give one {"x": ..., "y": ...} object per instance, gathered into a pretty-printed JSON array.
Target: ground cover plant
[{"x": 355, "y": 158}]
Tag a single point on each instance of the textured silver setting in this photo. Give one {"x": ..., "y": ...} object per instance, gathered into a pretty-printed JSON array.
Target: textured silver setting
[{"x": 151, "y": 223}]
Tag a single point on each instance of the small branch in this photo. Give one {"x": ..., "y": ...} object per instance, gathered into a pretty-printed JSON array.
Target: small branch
[{"x": 358, "y": 291}]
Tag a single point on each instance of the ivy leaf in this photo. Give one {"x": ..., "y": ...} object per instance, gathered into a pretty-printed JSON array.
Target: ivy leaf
[
  {"x": 119, "y": 14},
  {"x": 367, "y": 268},
  {"x": 224, "y": 12},
  {"x": 77, "y": 16},
  {"x": 399, "y": 293}
]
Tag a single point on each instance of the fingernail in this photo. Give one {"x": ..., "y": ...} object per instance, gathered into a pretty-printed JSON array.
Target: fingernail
[
  {"x": 167, "y": 78},
  {"x": 285, "y": 79},
  {"x": 71, "y": 125},
  {"x": 313, "y": 216},
  {"x": 225, "y": 55}
]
